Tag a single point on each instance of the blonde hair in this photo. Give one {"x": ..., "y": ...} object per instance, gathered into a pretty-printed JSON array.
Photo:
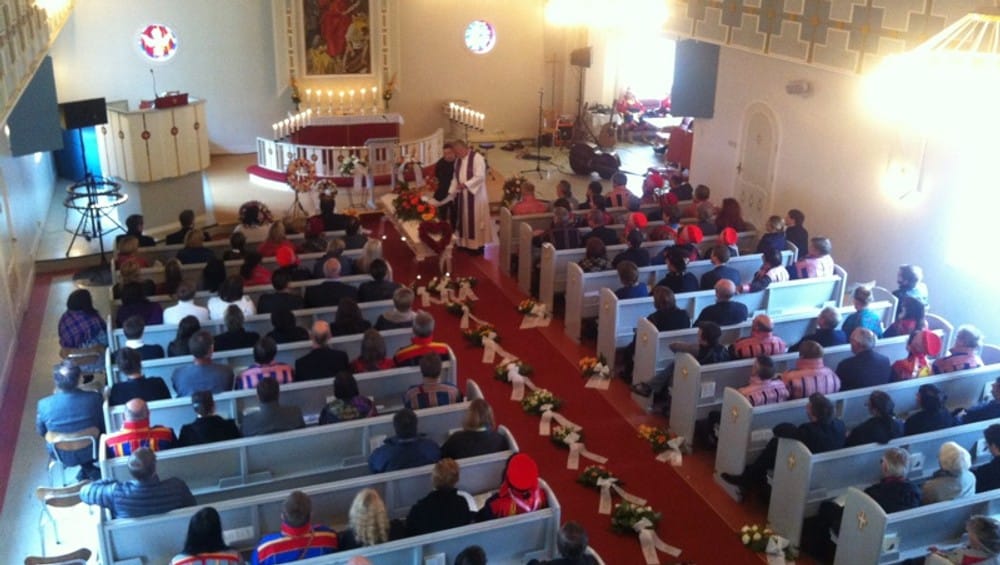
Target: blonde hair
[
  {"x": 775, "y": 224},
  {"x": 445, "y": 474},
  {"x": 276, "y": 233},
  {"x": 128, "y": 245},
  {"x": 130, "y": 271},
  {"x": 194, "y": 238},
  {"x": 369, "y": 518},
  {"x": 478, "y": 415},
  {"x": 370, "y": 252}
]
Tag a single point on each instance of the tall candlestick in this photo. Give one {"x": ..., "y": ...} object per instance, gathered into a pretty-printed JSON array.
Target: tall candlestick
[
  {"x": 374, "y": 100},
  {"x": 309, "y": 93},
  {"x": 275, "y": 128},
  {"x": 351, "y": 92},
  {"x": 342, "y": 102}
]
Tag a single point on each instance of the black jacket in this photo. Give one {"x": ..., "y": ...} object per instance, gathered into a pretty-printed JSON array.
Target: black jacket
[
  {"x": 469, "y": 443},
  {"x": 724, "y": 313},
  {"x": 440, "y": 510},
  {"x": 236, "y": 340},
  {"x": 874, "y": 430},
  {"x": 988, "y": 475},
  {"x": 928, "y": 421},
  {"x": 274, "y": 301},
  {"x": 865, "y": 369},
  {"x": 207, "y": 430},
  {"x": 320, "y": 363},
  {"x": 894, "y": 494}
]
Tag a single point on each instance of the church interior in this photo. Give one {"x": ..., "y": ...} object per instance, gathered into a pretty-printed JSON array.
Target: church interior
[{"x": 877, "y": 119}]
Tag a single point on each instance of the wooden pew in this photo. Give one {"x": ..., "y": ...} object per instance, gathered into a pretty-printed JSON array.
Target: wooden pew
[
  {"x": 155, "y": 539},
  {"x": 802, "y": 480},
  {"x": 240, "y": 359},
  {"x": 254, "y": 292},
  {"x": 163, "y": 334},
  {"x": 697, "y": 390},
  {"x": 869, "y": 535},
  {"x": 583, "y": 289},
  {"x": 384, "y": 387},
  {"x": 553, "y": 277},
  {"x": 744, "y": 430},
  {"x": 252, "y": 465},
  {"x": 652, "y": 349},
  {"x": 618, "y": 318}
]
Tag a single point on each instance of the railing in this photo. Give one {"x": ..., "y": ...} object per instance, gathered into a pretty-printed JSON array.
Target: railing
[{"x": 275, "y": 155}]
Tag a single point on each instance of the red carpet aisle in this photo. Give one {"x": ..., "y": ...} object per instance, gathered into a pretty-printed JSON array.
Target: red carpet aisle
[{"x": 688, "y": 522}]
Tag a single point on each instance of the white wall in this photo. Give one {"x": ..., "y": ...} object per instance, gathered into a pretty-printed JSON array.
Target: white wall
[
  {"x": 832, "y": 155},
  {"x": 225, "y": 55}
]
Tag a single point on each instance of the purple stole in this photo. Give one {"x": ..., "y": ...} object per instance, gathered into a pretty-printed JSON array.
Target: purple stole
[{"x": 466, "y": 217}]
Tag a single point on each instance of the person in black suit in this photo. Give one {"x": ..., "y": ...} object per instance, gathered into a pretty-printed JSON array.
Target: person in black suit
[
  {"x": 988, "y": 475},
  {"x": 136, "y": 385},
  {"x": 883, "y": 425},
  {"x": 933, "y": 415},
  {"x": 332, "y": 221},
  {"x": 444, "y": 172},
  {"x": 207, "y": 427},
  {"x": 186, "y": 219},
  {"x": 598, "y": 220},
  {"x": 272, "y": 417},
  {"x": 379, "y": 288},
  {"x": 353, "y": 238},
  {"x": 681, "y": 188},
  {"x": 572, "y": 544},
  {"x": 823, "y": 432},
  {"x": 281, "y": 298},
  {"x": 322, "y": 362},
  {"x": 235, "y": 336},
  {"x": 667, "y": 317},
  {"x": 133, "y": 327},
  {"x": 478, "y": 436},
  {"x": 826, "y": 333},
  {"x": 867, "y": 367},
  {"x": 329, "y": 292},
  {"x": 133, "y": 227},
  {"x": 635, "y": 252},
  {"x": 724, "y": 312},
  {"x": 444, "y": 507},
  {"x": 720, "y": 256},
  {"x": 285, "y": 329}
]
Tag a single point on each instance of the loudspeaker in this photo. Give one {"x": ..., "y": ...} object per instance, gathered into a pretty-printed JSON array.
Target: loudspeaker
[
  {"x": 580, "y": 57},
  {"x": 83, "y": 113},
  {"x": 696, "y": 67}
]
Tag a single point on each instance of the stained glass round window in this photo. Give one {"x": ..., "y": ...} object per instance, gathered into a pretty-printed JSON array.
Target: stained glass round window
[
  {"x": 157, "y": 42},
  {"x": 480, "y": 37}
]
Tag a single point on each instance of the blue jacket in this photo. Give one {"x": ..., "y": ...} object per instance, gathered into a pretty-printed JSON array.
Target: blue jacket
[
  {"x": 709, "y": 279},
  {"x": 70, "y": 411},
  {"x": 134, "y": 499},
  {"x": 396, "y": 454}
]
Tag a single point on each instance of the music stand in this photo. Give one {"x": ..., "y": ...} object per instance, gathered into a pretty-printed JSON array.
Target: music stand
[{"x": 538, "y": 157}]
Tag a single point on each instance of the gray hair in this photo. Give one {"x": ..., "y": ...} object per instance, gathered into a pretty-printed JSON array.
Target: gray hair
[
  {"x": 897, "y": 462},
  {"x": 828, "y": 318},
  {"x": 725, "y": 290},
  {"x": 863, "y": 338},
  {"x": 954, "y": 458},
  {"x": 423, "y": 325},
  {"x": 969, "y": 336}
]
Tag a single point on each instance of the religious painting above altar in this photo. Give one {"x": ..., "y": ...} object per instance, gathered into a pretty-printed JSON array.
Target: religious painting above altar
[{"x": 336, "y": 37}]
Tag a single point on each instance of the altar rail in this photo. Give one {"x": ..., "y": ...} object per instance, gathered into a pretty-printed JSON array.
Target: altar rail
[{"x": 276, "y": 155}]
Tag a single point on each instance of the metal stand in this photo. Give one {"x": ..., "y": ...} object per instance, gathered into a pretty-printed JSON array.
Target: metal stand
[
  {"x": 538, "y": 142},
  {"x": 94, "y": 197}
]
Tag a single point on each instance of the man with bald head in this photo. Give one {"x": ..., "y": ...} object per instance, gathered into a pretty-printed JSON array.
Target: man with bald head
[
  {"x": 322, "y": 362},
  {"x": 725, "y": 311},
  {"x": 867, "y": 367},
  {"x": 144, "y": 495},
  {"x": 329, "y": 292},
  {"x": 136, "y": 432}
]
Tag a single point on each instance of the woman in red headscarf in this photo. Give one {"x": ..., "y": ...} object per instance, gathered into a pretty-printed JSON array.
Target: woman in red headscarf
[
  {"x": 688, "y": 238},
  {"x": 922, "y": 343},
  {"x": 519, "y": 492}
]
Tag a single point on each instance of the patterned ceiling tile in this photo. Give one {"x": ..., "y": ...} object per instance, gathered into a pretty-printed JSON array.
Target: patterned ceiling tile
[
  {"x": 679, "y": 23},
  {"x": 771, "y": 15},
  {"x": 795, "y": 6},
  {"x": 732, "y": 13},
  {"x": 815, "y": 21},
  {"x": 920, "y": 28},
  {"x": 696, "y": 9},
  {"x": 898, "y": 11},
  {"x": 711, "y": 28},
  {"x": 841, "y": 9},
  {"x": 787, "y": 44},
  {"x": 865, "y": 27},
  {"x": 747, "y": 35},
  {"x": 835, "y": 54}
]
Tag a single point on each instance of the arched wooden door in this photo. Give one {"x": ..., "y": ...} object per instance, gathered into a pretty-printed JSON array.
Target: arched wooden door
[{"x": 755, "y": 170}]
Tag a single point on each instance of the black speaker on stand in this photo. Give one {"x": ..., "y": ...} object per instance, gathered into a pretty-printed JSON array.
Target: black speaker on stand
[{"x": 92, "y": 196}]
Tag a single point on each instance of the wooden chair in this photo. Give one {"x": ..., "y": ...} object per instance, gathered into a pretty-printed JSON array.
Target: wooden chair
[
  {"x": 60, "y": 442},
  {"x": 56, "y": 497},
  {"x": 78, "y": 557}
]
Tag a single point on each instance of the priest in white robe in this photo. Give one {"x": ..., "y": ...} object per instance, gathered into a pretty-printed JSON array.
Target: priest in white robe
[{"x": 474, "y": 227}]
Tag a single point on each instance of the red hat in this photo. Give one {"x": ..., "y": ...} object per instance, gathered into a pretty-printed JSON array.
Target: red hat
[
  {"x": 522, "y": 472},
  {"x": 728, "y": 236},
  {"x": 690, "y": 233},
  {"x": 639, "y": 219},
  {"x": 929, "y": 342},
  {"x": 285, "y": 256}
]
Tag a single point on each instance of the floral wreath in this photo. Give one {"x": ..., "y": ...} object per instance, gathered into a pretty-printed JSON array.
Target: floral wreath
[
  {"x": 301, "y": 182},
  {"x": 512, "y": 191},
  {"x": 264, "y": 215},
  {"x": 426, "y": 229},
  {"x": 326, "y": 187}
]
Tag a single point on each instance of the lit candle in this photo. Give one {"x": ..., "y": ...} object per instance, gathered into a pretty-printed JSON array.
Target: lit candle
[
  {"x": 309, "y": 93},
  {"x": 364, "y": 94},
  {"x": 374, "y": 99},
  {"x": 275, "y": 128},
  {"x": 351, "y": 92}
]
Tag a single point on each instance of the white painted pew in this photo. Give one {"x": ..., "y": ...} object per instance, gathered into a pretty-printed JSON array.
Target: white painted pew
[
  {"x": 744, "y": 430},
  {"x": 869, "y": 535},
  {"x": 384, "y": 387},
  {"x": 162, "y": 252},
  {"x": 652, "y": 348},
  {"x": 697, "y": 389},
  {"x": 583, "y": 289},
  {"x": 617, "y": 319},
  {"x": 240, "y": 359},
  {"x": 155, "y": 539},
  {"x": 246, "y": 466},
  {"x": 163, "y": 334},
  {"x": 802, "y": 480}
]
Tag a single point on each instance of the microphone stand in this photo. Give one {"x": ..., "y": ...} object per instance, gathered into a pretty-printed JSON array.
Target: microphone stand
[{"x": 538, "y": 142}]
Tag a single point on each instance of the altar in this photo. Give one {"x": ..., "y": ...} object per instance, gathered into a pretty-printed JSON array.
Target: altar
[{"x": 352, "y": 131}]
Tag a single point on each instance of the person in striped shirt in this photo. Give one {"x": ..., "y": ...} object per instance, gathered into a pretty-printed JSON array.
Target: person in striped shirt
[
  {"x": 760, "y": 341},
  {"x": 431, "y": 392},
  {"x": 136, "y": 432},
  {"x": 765, "y": 387},
  {"x": 299, "y": 538},
  {"x": 421, "y": 344},
  {"x": 264, "y": 352},
  {"x": 965, "y": 353},
  {"x": 810, "y": 375}
]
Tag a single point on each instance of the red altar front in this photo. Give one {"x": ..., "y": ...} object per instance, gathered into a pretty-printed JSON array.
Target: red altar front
[{"x": 347, "y": 131}]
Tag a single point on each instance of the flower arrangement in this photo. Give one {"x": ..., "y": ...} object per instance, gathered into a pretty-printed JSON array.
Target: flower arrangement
[
  {"x": 436, "y": 235},
  {"x": 526, "y": 306},
  {"x": 263, "y": 216},
  {"x": 456, "y": 308},
  {"x": 594, "y": 367},
  {"x": 409, "y": 207},
  {"x": 626, "y": 515},
  {"x": 593, "y": 473},
  {"x": 755, "y": 537},
  {"x": 559, "y": 434},
  {"x": 500, "y": 371},
  {"x": 349, "y": 164},
  {"x": 326, "y": 188},
  {"x": 658, "y": 438},
  {"x": 534, "y": 400},
  {"x": 457, "y": 282},
  {"x": 512, "y": 190},
  {"x": 301, "y": 175},
  {"x": 436, "y": 285},
  {"x": 389, "y": 90},
  {"x": 475, "y": 336}
]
